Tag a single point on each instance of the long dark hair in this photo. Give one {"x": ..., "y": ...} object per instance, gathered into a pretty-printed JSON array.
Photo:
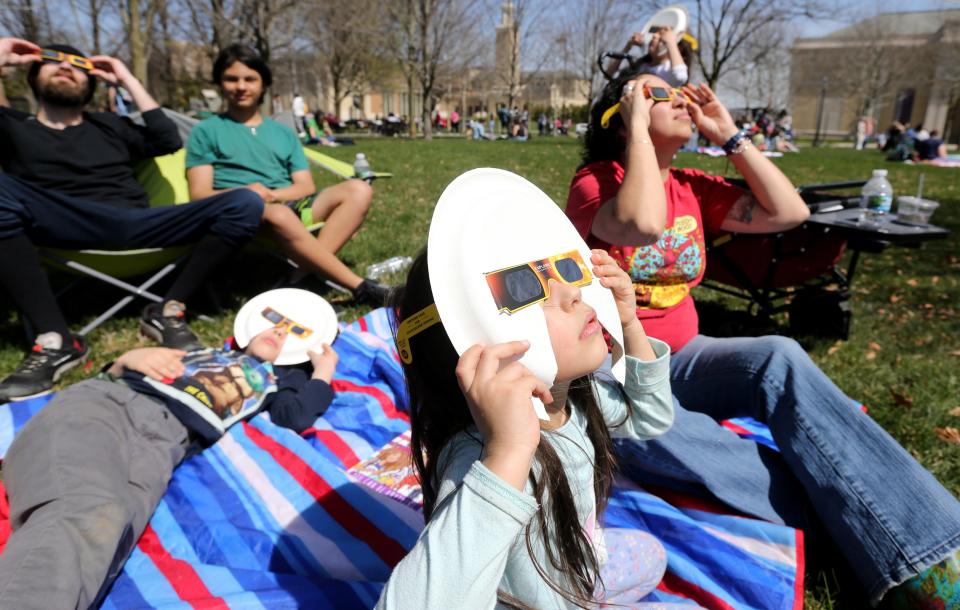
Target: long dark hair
[
  {"x": 608, "y": 144},
  {"x": 439, "y": 411}
]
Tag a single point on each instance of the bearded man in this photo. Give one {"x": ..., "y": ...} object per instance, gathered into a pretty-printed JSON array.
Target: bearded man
[{"x": 68, "y": 181}]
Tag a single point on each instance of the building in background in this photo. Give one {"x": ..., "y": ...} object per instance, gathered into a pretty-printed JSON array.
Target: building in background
[
  {"x": 468, "y": 91},
  {"x": 893, "y": 66}
]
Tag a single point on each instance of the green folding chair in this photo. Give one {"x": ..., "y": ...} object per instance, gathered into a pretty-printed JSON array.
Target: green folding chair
[
  {"x": 165, "y": 181},
  {"x": 342, "y": 169},
  {"x": 338, "y": 167}
]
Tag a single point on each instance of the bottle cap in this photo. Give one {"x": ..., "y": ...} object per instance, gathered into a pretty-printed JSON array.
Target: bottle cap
[
  {"x": 882, "y": 173},
  {"x": 363, "y": 156}
]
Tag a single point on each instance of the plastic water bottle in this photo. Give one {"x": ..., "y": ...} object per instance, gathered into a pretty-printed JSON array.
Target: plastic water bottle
[
  {"x": 361, "y": 169},
  {"x": 394, "y": 264},
  {"x": 876, "y": 198}
]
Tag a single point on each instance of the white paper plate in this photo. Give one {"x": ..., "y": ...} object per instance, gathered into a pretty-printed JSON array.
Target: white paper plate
[
  {"x": 307, "y": 309},
  {"x": 674, "y": 16},
  {"x": 488, "y": 219}
]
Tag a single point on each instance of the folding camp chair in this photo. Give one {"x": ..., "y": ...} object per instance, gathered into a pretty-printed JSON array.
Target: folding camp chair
[
  {"x": 338, "y": 167},
  {"x": 798, "y": 271},
  {"x": 164, "y": 182}
]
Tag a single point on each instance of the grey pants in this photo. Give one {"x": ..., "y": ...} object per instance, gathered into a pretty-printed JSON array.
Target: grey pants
[{"x": 83, "y": 476}]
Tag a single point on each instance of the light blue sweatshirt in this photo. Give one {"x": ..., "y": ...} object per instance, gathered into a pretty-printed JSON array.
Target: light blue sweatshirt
[{"x": 475, "y": 542}]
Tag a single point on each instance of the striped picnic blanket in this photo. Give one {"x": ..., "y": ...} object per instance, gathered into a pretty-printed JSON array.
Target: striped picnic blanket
[{"x": 270, "y": 519}]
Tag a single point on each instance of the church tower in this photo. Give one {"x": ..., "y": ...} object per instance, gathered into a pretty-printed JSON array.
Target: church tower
[{"x": 507, "y": 59}]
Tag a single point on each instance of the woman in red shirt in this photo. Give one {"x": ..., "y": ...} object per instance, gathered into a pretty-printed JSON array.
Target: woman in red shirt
[{"x": 887, "y": 514}]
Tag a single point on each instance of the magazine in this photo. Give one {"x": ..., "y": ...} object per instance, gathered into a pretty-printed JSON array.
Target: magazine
[
  {"x": 216, "y": 390},
  {"x": 390, "y": 471}
]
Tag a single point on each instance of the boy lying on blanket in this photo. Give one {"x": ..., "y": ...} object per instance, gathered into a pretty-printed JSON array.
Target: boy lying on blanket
[{"x": 85, "y": 474}]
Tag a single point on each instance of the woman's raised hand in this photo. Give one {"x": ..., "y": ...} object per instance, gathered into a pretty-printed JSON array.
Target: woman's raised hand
[
  {"x": 635, "y": 108},
  {"x": 499, "y": 398},
  {"x": 708, "y": 114}
]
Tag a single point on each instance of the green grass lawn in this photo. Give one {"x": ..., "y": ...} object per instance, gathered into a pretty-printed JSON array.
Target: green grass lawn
[{"x": 902, "y": 358}]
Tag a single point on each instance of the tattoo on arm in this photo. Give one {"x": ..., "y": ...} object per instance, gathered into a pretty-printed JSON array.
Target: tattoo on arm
[{"x": 742, "y": 210}]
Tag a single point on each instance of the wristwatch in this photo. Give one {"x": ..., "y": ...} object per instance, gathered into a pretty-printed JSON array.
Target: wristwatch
[{"x": 736, "y": 144}]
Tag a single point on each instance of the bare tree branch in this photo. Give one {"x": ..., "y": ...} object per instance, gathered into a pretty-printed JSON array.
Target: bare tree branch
[
  {"x": 423, "y": 34},
  {"x": 728, "y": 28}
]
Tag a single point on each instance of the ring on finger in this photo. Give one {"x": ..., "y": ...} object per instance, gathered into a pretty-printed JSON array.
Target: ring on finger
[{"x": 628, "y": 88}]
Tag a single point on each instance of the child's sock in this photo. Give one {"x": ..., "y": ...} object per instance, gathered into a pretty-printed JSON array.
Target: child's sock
[{"x": 936, "y": 588}]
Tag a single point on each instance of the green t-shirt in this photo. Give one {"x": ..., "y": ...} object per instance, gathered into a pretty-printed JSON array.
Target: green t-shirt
[{"x": 240, "y": 155}]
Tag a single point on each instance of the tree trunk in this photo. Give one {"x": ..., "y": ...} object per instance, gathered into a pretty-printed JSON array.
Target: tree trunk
[
  {"x": 412, "y": 124},
  {"x": 171, "y": 80},
  {"x": 261, "y": 33},
  {"x": 138, "y": 54},
  {"x": 337, "y": 98},
  {"x": 30, "y": 24},
  {"x": 95, "y": 22},
  {"x": 427, "y": 114},
  {"x": 216, "y": 20}
]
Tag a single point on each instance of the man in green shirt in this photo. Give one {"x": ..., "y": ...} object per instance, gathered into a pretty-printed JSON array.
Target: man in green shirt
[{"x": 243, "y": 149}]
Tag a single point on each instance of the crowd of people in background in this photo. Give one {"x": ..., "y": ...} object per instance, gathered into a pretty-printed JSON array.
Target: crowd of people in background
[
  {"x": 769, "y": 131},
  {"x": 903, "y": 142},
  {"x": 506, "y": 123}
]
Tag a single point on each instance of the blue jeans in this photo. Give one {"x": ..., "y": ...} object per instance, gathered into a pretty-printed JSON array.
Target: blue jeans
[
  {"x": 50, "y": 218},
  {"x": 887, "y": 514}
]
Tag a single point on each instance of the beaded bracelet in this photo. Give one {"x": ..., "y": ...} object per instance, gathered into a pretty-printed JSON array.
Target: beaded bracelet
[{"x": 736, "y": 144}]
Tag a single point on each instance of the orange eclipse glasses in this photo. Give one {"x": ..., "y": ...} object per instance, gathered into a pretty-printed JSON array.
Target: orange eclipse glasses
[
  {"x": 662, "y": 94},
  {"x": 77, "y": 61},
  {"x": 281, "y": 321},
  {"x": 520, "y": 286},
  {"x": 657, "y": 94}
]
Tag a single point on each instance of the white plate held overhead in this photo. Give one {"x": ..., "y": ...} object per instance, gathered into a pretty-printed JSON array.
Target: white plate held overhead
[{"x": 674, "y": 16}]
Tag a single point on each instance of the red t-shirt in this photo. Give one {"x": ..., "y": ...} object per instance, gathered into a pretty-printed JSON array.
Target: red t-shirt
[{"x": 663, "y": 273}]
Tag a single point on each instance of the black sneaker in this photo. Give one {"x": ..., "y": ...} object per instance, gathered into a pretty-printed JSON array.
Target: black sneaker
[
  {"x": 42, "y": 367},
  {"x": 168, "y": 331},
  {"x": 371, "y": 293}
]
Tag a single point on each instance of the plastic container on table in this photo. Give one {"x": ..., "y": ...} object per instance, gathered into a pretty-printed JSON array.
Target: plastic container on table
[{"x": 915, "y": 209}]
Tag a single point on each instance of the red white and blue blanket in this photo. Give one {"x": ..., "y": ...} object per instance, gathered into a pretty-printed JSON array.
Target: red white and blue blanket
[{"x": 269, "y": 519}]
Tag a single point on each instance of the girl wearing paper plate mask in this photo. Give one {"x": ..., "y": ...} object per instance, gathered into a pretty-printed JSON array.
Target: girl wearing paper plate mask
[
  {"x": 893, "y": 522},
  {"x": 501, "y": 331}
]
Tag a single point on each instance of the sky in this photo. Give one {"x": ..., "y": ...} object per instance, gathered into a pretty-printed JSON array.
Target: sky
[
  {"x": 849, "y": 11},
  {"x": 843, "y": 13}
]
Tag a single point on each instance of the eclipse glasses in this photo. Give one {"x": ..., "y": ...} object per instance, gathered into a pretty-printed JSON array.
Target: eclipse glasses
[
  {"x": 76, "y": 61},
  {"x": 281, "y": 321},
  {"x": 520, "y": 286},
  {"x": 657, "y": 94}
]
